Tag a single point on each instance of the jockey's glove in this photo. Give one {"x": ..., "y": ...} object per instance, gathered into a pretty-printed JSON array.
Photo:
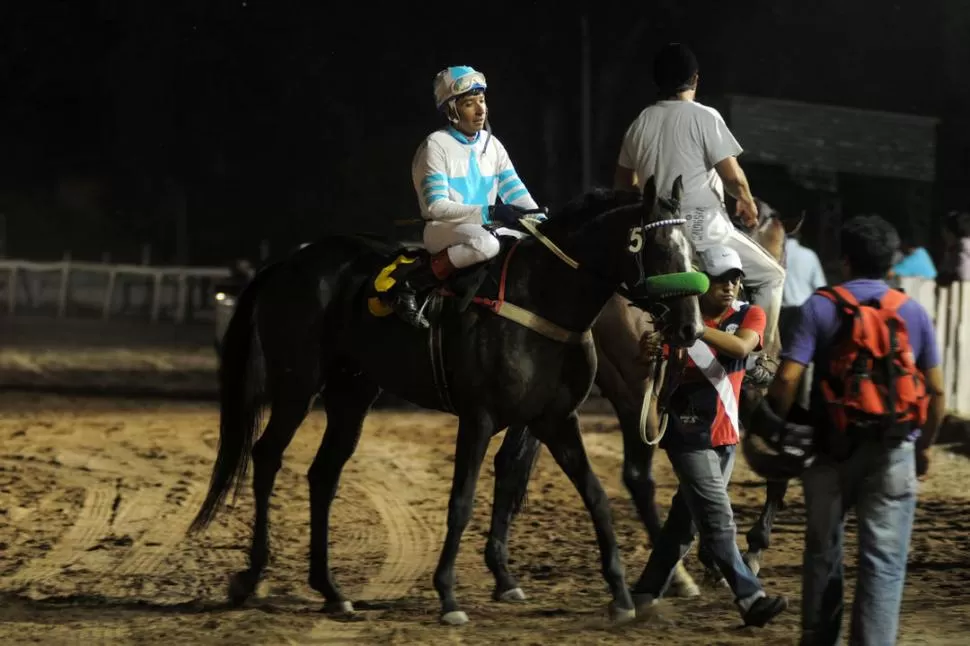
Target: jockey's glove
[{"x": 506, "y": 214}]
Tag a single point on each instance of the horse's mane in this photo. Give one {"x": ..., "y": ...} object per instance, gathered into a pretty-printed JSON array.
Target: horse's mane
[{"x": 589, "y": 206}]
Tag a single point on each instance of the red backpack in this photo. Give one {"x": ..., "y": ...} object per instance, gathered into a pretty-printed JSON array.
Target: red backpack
[{"x": 871, "y": 381}]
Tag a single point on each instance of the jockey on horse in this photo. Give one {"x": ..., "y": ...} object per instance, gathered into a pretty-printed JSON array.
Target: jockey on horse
[
  {"x": 679, "y": 136},
  {"x": 457, "y": 175}
]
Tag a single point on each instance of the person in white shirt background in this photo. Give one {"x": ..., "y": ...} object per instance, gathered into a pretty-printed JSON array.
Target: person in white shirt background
[
  {"x": 803, "y": 275},
  {"x": 678, "y": 136},
  {"x": 458, "y": 174}
]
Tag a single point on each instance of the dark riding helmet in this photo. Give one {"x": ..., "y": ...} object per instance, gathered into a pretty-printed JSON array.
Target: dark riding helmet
[
  {"x": 674, "y": 68},
  {"x": 774, "y": 448}
]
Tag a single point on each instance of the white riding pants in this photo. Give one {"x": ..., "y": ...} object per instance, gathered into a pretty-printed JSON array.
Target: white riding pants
[
  {"x": 467, "y": 244},
  {"x": 763, "y": 274}
]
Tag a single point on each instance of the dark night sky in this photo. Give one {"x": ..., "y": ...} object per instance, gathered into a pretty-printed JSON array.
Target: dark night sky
[{"x": 284, "y": 120}]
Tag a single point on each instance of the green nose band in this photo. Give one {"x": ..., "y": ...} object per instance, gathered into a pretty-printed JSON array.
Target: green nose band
[{"x": 686, "y": 283}]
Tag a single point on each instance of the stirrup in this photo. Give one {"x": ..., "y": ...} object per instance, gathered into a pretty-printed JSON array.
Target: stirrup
[{"x": 407, "y": 309}]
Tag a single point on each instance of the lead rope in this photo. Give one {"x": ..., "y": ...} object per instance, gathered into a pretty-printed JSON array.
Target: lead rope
[{"x": 648, "y": 397}]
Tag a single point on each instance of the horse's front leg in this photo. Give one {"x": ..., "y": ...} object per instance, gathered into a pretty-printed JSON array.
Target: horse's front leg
[
  {"x": 513, "y": 466},
  {"x": 474, "y": 432},
  {"x": 626, "y": 394}
]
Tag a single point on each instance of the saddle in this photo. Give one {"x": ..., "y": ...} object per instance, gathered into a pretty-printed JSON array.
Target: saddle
[{"x": 480, "y": 282}]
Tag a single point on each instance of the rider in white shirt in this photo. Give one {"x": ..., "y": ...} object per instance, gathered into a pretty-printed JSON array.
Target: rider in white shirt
[
  {"x": 679, "y": 136},
  {"x": 458, "y": 173}
]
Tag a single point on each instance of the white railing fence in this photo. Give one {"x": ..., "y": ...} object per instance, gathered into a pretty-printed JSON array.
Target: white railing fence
[
  {"x": 182, "y": 294},
  {"x": 68, "y": 288},
  {"x": 949, "y": 308}
]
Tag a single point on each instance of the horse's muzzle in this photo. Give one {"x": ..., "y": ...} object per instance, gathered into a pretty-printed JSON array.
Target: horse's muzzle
[{"x": 685, "y": 336}]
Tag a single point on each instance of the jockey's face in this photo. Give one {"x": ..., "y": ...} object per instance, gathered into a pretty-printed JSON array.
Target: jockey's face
[{"x": 471, "y": 112}]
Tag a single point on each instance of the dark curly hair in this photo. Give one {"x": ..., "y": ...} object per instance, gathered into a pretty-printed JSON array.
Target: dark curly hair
[
  {"x": 674, "y": 69},
  {"x": 869, "y": 243}
]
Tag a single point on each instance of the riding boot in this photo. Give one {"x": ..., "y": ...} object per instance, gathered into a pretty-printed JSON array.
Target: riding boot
[{"x": 413, "y": 278}]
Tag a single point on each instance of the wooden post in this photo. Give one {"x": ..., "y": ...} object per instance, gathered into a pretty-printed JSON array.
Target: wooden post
[
  {"x": 962, "y": 376},
  {"x": 62, "y": 297},
  {"x": 181, "y": 296},
  {"x": 108, "y": 293},
  {"x": 950, "y": 371},
  {"x": 940, "y": 324},
  {"x": 146, "y": 259},
  {"x": 156, "y": 296},
  {"x": 12, "y": 291}
]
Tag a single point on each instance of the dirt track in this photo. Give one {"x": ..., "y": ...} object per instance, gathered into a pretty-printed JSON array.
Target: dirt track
[{"x": 95, "y": 497}]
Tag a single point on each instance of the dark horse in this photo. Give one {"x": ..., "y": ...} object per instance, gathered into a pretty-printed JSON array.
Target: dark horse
[
  {"x": 302, "y": 327},
  {"x": 624, "y": 381}
]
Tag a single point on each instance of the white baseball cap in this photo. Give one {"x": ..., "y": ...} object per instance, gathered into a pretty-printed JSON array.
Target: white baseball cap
[{"x": 719, "y": 260}]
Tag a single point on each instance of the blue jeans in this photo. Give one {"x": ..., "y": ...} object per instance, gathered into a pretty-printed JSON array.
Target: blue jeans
[
  {"x": 881, "y": 484},
  {"x": 702, "y": 496}
]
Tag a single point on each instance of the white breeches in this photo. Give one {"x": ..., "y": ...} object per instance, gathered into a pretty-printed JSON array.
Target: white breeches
[
  {"x": 467, "y": 244},
  {"x": 763, "y": 274}
]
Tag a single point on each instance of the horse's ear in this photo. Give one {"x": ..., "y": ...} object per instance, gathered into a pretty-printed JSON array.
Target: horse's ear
[
  {"x": 678, "y": 189},
  {"x": 650, "y": 191},
  {"x": 798, "y": 225}
]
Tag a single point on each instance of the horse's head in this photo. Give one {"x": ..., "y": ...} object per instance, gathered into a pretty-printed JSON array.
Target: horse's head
[
  {"x": 773, "y": 228},
  {"x": 659, "y": 248}
]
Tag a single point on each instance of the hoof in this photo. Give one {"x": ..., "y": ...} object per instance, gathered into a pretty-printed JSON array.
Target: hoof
[
  {"x": 510, "y": 596},
  {"x": 713, "y": 579},
  {"x": 643, "y": 602},
  {"x": 685, "y": 589},
  {"x": 683, "y": 584},
  {"x": 338, "y": 608},
  {"x": 454, "y": 618},
  {"x": 753, "y": 561},
  {"x": 241, "y": 587},
  {"x": 621, "y": 615}
]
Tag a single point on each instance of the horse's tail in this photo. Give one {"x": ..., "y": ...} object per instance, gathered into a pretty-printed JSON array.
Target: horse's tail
[{"x": 241, "y": 387}]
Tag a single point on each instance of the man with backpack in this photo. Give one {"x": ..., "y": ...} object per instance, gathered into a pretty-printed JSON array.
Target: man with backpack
[{"x": 878, "y": 402}]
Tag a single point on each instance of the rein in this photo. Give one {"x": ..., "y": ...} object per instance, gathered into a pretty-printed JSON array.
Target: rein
[
  {"x": 651, "y": 304},
  {"x": 547, "y": 328}
]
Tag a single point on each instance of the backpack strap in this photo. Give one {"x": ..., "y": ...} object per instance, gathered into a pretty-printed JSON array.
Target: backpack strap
[
  {"x": 839, "y": 295},
  {"x": 892, "y": 300}
]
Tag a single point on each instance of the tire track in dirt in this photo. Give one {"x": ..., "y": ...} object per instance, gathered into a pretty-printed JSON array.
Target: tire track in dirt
[
  {"x": 102, "y": 634},
  {"x": 413, "y": 538},
  {"x": 92, "y": 523},
  {"x": 328, "y": 631},
  {"x": 409, "y": 540},
  {"x": 151, "y": 549}
]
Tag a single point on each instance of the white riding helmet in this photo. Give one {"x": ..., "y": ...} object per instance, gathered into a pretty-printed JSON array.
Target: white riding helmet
[{"x": 453, "y": 82}]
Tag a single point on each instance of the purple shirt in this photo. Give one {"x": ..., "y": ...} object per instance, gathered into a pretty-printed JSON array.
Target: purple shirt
[{"x": 819, "y": 322}]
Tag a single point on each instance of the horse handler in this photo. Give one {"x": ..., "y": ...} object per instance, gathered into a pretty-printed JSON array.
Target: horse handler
[{"x": 701, "y": 440}]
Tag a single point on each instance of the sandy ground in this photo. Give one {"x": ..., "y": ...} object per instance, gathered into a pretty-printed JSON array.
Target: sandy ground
[{"x": 96, "y": 495}]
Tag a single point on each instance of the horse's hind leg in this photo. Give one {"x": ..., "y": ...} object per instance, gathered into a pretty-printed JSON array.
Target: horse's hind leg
[
  {"x": 347, "y": 399},
  {"x": 513, "y": 466},
  {"x": 291, "y": 402},
  {"x": 563, "y": 438},
  {"x": 759, "y": 536},
  {"x": 638, "y": 478},
  {"x": 626, "y": 396}
]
